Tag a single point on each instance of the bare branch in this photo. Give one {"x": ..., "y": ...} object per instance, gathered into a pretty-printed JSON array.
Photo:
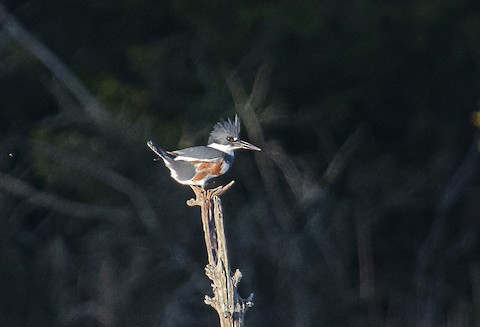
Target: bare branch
[
  {"x": 40, "y": 51},
  {"x": 229, "y": 305},
  {"x": 80, "y": 210}
]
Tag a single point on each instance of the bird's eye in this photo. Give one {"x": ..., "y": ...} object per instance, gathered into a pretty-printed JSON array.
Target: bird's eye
[{"x": 230, "y": 139}]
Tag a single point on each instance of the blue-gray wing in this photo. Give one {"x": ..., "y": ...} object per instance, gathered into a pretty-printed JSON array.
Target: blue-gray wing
[{"x": 198, "y": 153}]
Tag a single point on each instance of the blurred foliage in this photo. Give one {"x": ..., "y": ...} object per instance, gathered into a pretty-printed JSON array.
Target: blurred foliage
[{"x": 389, "y": 240}]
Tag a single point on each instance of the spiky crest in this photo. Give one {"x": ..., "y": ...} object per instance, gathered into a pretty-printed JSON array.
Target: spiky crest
[{"x": 224, "y": 129}]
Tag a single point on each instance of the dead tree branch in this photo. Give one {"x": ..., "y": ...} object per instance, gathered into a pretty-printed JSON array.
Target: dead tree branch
[{"x": 229, "y": 305}]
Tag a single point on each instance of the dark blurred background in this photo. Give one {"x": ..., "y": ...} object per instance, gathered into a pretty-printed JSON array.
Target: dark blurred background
[{"x": 362, "y": 209}]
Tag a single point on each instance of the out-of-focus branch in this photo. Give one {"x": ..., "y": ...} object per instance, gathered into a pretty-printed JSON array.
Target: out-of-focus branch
[
  {"x": 40, "y": 51},
  {"x": 429, "y": 254},
  {"x": 107, "y": 176},
  {"x": 245, "y": 104},
  {"x": 305, "y": 190},
  {"x": 341, "y": 158},
  {"x": 366, "y": 266},
  {"x": 245, "y": 107},
  {"x": 455, "y": 188},
  {"x": 80, "y": 210}
]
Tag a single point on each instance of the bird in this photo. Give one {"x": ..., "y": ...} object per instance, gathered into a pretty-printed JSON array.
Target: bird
[{"x": 199, "y": 164}]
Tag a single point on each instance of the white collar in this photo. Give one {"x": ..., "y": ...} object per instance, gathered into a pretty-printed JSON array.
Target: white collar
[{"x": 227, "y": 148}]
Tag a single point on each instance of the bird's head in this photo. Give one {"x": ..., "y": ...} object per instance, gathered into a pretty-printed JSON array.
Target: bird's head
[{"x": 225, "y": 136}]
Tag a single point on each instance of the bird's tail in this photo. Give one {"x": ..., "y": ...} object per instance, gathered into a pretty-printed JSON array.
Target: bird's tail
[{"x": 164, "y": 155}]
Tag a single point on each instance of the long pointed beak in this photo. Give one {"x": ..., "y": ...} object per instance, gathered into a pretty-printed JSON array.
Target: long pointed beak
[{"x": 247, "y": 146}]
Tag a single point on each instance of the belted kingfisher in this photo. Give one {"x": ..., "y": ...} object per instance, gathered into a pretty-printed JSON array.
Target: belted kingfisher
[{"x": 196, "y": 165}]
